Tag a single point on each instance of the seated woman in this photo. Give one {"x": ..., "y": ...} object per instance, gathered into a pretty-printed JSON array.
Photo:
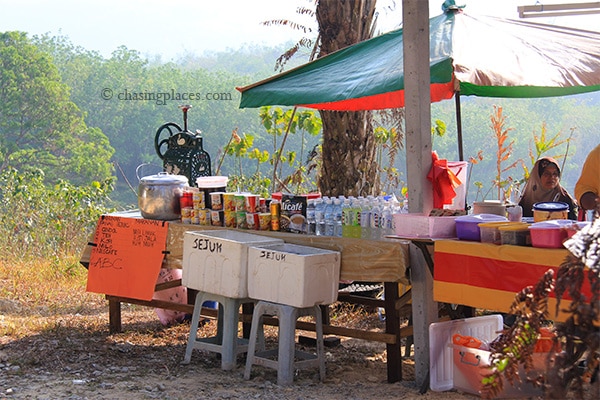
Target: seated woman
[{"x": 543, "y": 185}]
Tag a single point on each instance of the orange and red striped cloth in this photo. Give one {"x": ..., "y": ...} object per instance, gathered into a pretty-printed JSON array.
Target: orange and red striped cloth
[{"x": 488, "y": 276}]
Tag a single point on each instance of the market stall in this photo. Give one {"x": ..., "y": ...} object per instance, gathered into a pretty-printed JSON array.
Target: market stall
[{"x": 363, "y": 260}]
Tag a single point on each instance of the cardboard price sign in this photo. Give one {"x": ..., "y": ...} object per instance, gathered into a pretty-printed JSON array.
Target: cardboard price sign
[{"x": 126, "y": 257}]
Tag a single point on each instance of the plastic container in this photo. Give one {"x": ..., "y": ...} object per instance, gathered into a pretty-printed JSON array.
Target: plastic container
[
  {"x": 210, "y": 184},
  {"x": 516, "y": 234},
  {"x": 550, "y": 210},
  {"x": 489, "y": 231},
  {"x": 467, "y": 226},
  {"x": 489, "y": 207},
  {"x": 550, "y": 234},
  {"x": 577, "y": 226},
  {"x": 419, "y": 225}
]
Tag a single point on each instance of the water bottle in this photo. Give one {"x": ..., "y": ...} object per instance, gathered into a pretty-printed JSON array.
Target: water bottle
[
  {"x": 387, "y": 223},
  {"x": 329, "y": 219},
  {"x": 337, "y": 217},
  {"x": 320, "y": 217},
  {"x": 375, "y": 221},
  {"x": 311, "y": 222},
  {"x": 365, "y": 219},
  {"x": 405, "y": 207}
]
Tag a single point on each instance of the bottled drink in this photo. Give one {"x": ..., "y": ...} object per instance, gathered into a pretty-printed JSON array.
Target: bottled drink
[
  {"x": 329, "y": 219},
  {"x": 346, "y": 218},
  {"x": 375, "y": 220},
  {"x": 337, "y": 217},
  {"x": 365, "y": 219},
  {"x": 387, "y": 223},
  {"x": 405, "y": 207},
  {"x": 320, "y": 217},
  {"x": 311, "y": 222},
  {"x": 355, "y": 218}
]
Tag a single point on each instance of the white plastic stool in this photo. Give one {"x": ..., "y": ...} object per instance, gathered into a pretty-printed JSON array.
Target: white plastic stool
[
  {"x": 286, "y": 363},
  {"x": 226, "y": 342}
]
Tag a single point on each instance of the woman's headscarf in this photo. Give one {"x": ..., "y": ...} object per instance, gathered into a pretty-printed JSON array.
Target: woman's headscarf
[{"x": 535, "y": 192}]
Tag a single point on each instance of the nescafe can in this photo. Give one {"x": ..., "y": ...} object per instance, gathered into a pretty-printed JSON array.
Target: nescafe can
[{"x": 275, "y": 208}]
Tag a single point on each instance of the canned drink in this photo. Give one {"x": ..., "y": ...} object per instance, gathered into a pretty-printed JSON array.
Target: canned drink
[
  {"x": 252, "y": 203},
  {"x": 240, "y": 202},
  {"x": 275, "y": 208},
  {"x": 264, "y": 221},
  {"x": 230, "y": 219},
  {"x": 204, "y": 217},
  {"x": 198, "y": 200},
  {"x": 262, "y": 205},
  {"x": 240, "y": 220},
  {"x": 186, "y": 212},
  {"x": 216, "y": 201},
  {"x": 186, "y": 200},
  {"x": 252, "y": 221},
  {"x": 216, "y": 217},
  {"x": 228, "y": 201}
]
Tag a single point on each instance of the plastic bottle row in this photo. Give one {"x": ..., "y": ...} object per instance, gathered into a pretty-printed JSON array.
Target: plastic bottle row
[{"x": 361, "y": 217}]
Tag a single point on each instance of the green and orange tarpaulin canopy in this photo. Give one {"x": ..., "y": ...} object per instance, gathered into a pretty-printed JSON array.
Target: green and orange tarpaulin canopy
[{"x": 472, "y": 55}]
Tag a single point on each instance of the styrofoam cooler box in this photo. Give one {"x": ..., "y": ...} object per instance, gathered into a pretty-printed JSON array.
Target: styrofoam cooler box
[
  {"x": 462, "y": 368},
  {"x": 298, "y": 276},
  {"x": 217, "y": 261}
]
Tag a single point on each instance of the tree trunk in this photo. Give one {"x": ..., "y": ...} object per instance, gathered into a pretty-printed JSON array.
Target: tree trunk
[{"x": 349, "y": 167}]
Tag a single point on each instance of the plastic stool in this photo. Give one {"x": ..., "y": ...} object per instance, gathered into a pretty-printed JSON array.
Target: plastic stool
[
  {"x": 226, "y": 342},
  {"x": 286, "y": 363}
]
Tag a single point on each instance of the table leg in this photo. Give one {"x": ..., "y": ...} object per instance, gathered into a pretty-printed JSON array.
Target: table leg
[
  {"x": 114, "y": 315},
  {"x": 392, "y": 325}
]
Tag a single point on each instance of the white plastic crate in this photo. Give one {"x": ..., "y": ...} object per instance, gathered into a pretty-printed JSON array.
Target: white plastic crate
[
  {"x": 420, "y": 225},
  {"x": 294, "y": 275},
  {"x": 217, "y": 261}
]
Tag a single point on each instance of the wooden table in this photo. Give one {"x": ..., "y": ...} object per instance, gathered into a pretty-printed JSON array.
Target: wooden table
[{"x": 361, "y": 260}]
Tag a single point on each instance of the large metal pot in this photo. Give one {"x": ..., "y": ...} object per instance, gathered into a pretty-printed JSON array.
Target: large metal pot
[{"x": 158, "y": 196}]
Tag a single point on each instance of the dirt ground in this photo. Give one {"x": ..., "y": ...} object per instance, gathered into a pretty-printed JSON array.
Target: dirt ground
[{"x": 75, "y": 357}]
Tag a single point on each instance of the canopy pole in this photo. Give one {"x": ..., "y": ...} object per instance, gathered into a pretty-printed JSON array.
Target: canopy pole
[
  {"x": 415, "y": 17},
  {"x": 459, "y": 127}
]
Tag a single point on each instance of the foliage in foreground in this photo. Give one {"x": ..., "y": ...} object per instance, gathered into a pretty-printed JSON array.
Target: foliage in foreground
[
  {"x": 575, "y": 357},
  {"x": 46, "y": 221}
]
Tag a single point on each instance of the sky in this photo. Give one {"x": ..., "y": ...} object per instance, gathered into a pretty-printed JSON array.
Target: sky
[{"x": 172, "y": 28}]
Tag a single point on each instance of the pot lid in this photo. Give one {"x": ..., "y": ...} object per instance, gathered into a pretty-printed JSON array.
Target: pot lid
[
  {"x": 551, "y": 206},
  {"x": 164, "y": 178}
]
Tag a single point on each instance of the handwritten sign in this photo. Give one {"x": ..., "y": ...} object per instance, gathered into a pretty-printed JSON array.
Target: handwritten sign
[{"x": 126, "y": 256}]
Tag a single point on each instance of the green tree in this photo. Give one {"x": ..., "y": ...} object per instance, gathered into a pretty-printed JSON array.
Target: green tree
[{"x": 40, "y": 126}]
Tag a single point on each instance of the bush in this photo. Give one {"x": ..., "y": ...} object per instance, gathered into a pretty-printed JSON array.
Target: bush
[{"x": 43, "y": 221}]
